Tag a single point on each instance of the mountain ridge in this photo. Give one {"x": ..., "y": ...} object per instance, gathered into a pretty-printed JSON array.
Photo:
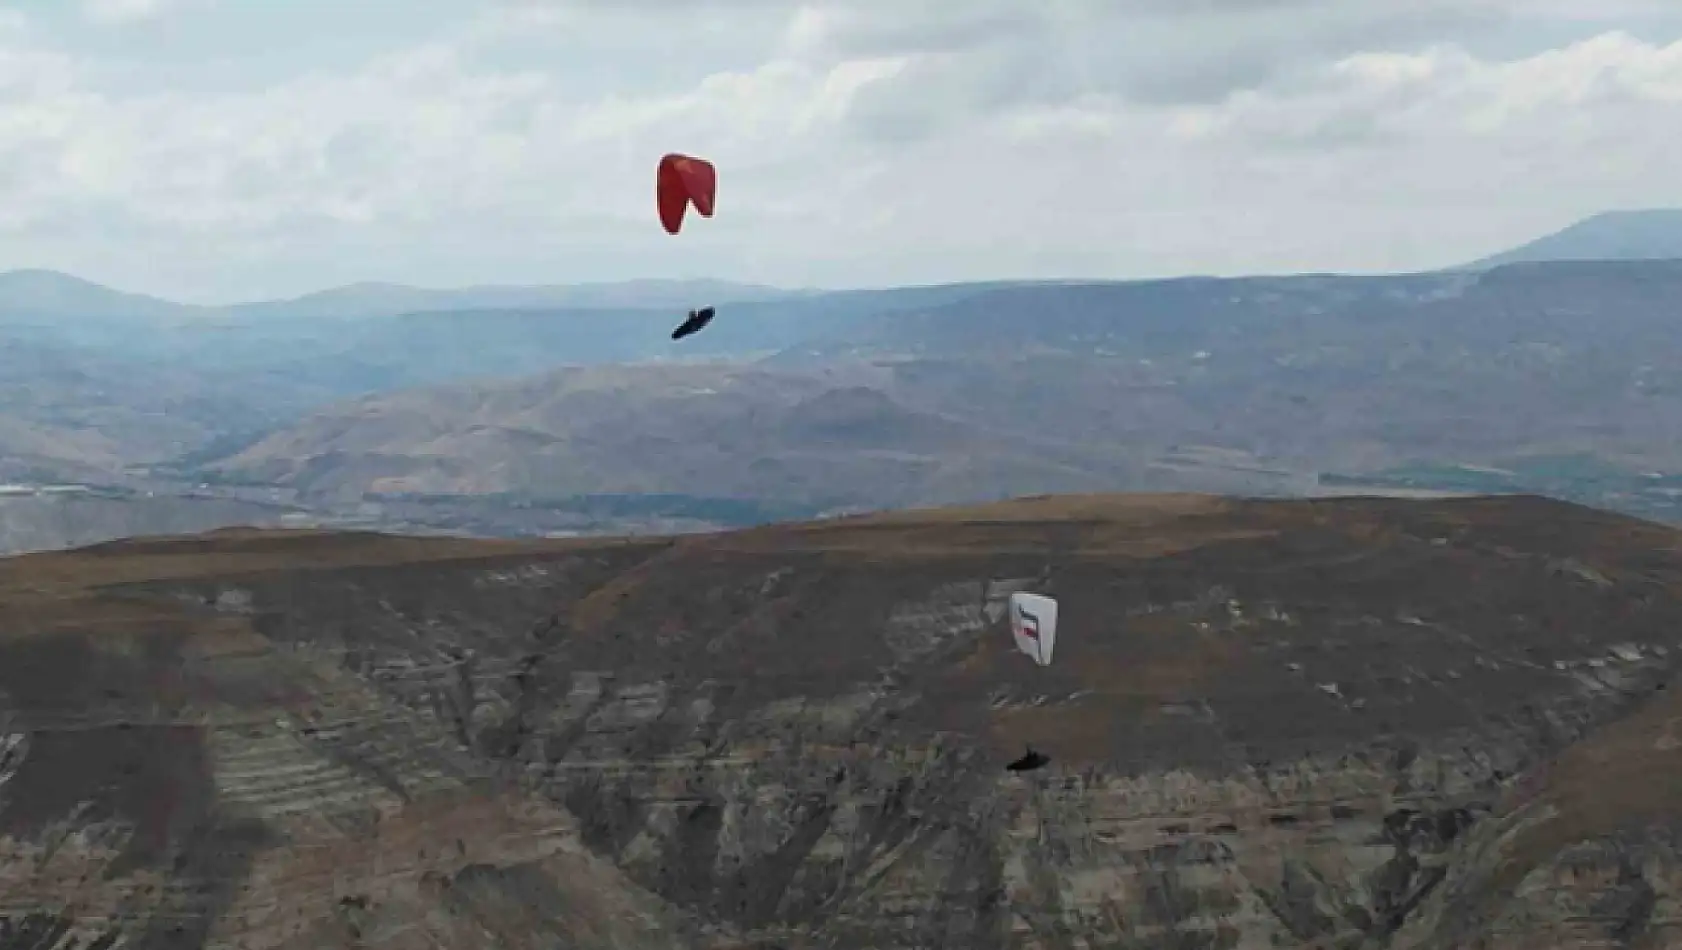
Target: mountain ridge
[
  {"x": 46, "y": 292},
  {"x": 1631, "y": 235},
  {"x": 1252, "y": 384},
  {"x": 1641, "y": 234},
  {"x": 1357, "y": 722},
  {"x": 1446, "y": 381}
]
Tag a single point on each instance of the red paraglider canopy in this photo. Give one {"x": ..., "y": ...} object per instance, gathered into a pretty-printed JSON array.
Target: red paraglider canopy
[{"x": 684, "y": 180}]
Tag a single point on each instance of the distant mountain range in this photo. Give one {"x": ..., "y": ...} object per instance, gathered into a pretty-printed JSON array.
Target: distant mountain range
[
  {"x": 380, "y": 299},
  {"x": 35, "y": 293},
  {"x": 1252, "y": 385},
  {"x": 825, "y": 400},
  {"x": 1653, "y": 234}
]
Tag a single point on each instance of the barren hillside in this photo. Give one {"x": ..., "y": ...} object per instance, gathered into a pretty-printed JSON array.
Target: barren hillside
[
  {"x": 1244, "y": 386},
  {"x": 1342, "y": 723},
  {"x": 714, "y": 430}
]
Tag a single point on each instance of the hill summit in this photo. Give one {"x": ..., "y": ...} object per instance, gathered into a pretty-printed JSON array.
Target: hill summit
[{"x": 1651, "y": 234}]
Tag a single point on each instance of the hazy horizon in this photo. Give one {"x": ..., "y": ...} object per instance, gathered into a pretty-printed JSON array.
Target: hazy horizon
[{"x": 208, "y": 152}]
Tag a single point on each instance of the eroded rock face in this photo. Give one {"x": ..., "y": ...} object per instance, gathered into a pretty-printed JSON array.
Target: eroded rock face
[
  {"x": 184, "y": 781},
  {"x": 1331, "y": 724}
]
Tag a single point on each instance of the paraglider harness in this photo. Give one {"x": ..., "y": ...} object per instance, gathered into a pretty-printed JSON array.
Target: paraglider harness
[{"x": 1029, "y": 762}]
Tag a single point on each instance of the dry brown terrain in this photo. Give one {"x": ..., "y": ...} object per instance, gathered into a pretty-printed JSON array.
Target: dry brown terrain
[
  {"x": 1335, "y": 723},
  {"x": 1249, "y": 386},
  {"x": 715, "y": 430},
  {"x": 1549, "y": 377}
]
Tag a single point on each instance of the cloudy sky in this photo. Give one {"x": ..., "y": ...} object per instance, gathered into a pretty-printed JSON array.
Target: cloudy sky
[{"x": 212, "y": 150}]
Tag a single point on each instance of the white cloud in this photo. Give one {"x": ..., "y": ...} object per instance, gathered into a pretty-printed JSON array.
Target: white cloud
[
  {"x": 857, "y": 143},
  {"x": 123, "y": 12},
  {"x": 1604, "y": 97}
]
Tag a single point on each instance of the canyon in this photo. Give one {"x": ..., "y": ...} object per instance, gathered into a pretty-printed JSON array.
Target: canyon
[{"x": 1351, "y": 723}]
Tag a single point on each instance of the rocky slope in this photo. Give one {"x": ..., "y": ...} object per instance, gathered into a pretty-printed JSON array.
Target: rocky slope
[
  {"x": 713, "y": 430},
  {"x": 1341, "y": 723},
  {"x": 1245, "y": 386}
]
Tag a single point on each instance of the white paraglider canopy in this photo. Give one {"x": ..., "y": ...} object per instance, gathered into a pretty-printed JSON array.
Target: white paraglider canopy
[{"x": 1033, "y": 624}]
